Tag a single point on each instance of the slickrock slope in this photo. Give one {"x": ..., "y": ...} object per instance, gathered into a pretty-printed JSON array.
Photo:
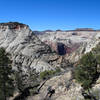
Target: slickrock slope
[
  {"x": 76, "y": 42},
  {"x": 25, "y": 47},
  {"x": 64, "y": 88}
]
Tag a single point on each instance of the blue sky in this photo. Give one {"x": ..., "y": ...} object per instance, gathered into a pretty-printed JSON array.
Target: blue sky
[{"x": 52, "y": 14}]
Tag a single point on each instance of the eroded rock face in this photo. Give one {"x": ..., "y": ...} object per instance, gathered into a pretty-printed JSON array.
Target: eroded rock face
[
  {"x": 25, "y": 47},
  {"x": 27, "y": 51},
  {"x": 77, "y": 42}
]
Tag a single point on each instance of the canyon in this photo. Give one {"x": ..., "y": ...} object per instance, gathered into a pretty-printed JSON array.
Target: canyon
[
  {"x": 48, "y": 50},
  {"x": 72, "y": 42}
]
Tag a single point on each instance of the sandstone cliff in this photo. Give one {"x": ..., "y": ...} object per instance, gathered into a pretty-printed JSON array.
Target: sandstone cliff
[
  {"x": 76, "y": 42},
  {"x": 25, "y": 47}
]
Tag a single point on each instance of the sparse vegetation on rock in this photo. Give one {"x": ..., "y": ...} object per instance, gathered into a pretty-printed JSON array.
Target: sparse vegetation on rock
[{"x": 49, "y": 73}]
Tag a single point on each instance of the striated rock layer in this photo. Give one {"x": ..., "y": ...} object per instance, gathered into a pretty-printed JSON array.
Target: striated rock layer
[
  {"x": 26, "y": 48},
  {"x": 76, "y": 42}
]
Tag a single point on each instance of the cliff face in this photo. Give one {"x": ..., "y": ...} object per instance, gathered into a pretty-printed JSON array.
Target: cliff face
[
  {"x": 76, "y": 42},
  {"x": 25, "y": 47}
]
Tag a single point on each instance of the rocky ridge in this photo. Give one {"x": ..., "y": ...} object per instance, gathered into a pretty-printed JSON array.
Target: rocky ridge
[{"x": 25, "y": 47}]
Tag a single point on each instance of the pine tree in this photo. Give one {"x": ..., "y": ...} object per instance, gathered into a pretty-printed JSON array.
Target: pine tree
[
  {"x": 20, "y": 77},
  {"x": 6, "y": 81},
  {"x": 86, "y": 72}
]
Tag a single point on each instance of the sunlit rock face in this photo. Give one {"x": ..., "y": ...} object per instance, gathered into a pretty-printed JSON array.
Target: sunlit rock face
[
  {"x": 25, "y": 47},
  {"x": 28, "y": 52},
  {"x": 64, "y": 86},
  {"x": 76, "y": 42}
]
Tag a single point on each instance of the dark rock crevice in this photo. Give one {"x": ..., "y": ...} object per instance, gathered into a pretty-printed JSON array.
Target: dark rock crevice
[{"x": 61, "y": 49}]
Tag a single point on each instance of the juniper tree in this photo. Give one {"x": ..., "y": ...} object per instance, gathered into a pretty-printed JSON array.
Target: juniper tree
[
  {"x": 6, "y": 81},
  {"x": 86, "y": 72}
]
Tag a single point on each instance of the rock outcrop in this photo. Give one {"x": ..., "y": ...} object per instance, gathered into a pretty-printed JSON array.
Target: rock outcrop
[
  {"x": 25, "y": 47},
  {"x": 77, "y": 42},
  {"x": 64, "y": 88}
]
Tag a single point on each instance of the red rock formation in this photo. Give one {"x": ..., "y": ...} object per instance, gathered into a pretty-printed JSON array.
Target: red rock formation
[{"x": 12, "y": 25}]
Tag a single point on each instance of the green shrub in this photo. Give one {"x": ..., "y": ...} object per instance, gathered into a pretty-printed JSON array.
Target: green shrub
[
  {"x": 49, "y": 73},
  {"x": 6, "y": 80},
  {"x": 86, "y": 71}
]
